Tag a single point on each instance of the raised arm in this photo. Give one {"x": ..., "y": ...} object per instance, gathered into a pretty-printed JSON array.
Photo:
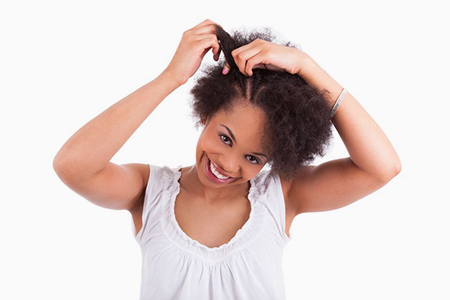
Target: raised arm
[
  {"x": 83, "y": 162},
  {"x": 83, "y": 158},
  {"x": 369, "y": 147},
  {"x": 373, "y": 160}
]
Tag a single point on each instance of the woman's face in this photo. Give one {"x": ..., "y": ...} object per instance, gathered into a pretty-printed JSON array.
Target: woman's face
[{"x": 231, "y": 141}]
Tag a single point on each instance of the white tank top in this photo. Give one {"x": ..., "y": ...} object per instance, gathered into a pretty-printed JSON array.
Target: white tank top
[{"x": 175, "y": 266}]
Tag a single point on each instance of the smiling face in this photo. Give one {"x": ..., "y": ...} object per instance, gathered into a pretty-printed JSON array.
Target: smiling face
[{"x": 231, "y": 141}]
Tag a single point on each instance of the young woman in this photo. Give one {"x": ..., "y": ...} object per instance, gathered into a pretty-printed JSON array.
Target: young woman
[{"x": 217, "y": 229}]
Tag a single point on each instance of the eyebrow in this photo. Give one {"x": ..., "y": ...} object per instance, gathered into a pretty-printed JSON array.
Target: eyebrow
[{"x": 234, "y": 139}]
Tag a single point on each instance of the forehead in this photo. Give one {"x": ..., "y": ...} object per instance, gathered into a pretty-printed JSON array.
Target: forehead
[{"x": 245, "y": 120}]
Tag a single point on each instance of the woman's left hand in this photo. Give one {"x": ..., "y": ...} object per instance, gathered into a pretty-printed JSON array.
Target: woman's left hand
[{"x": 261, "y": 54}]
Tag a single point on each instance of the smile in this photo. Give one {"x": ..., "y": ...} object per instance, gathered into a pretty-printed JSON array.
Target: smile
[{"x": 214, "y": 174}]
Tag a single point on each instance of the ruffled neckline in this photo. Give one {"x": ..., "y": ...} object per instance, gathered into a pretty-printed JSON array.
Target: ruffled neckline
[{"x": 252, "y": 196}]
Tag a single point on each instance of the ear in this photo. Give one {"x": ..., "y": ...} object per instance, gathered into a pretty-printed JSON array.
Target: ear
[{"x": 203, "y": 119}]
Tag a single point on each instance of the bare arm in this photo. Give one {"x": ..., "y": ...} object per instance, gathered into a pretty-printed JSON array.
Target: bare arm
[
  {"x": 89, "y": 150},
  {"x": 367, "y": 144},
  {"x": 83, "y": 162},
  {"x": 372, "y": 163}
]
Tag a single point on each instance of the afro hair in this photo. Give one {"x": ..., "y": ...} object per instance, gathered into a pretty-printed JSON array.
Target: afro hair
[{"x": 298, "y": 124}]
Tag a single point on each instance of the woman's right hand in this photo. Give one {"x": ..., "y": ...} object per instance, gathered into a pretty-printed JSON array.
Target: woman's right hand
[{"x": 193, "y": 46}]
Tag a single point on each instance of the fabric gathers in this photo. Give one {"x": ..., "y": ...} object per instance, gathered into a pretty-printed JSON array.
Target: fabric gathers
[{"x": 175, "y": 266}]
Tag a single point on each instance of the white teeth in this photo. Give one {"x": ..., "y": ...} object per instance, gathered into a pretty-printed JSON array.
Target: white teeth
[{"x": 215, "y": 172}]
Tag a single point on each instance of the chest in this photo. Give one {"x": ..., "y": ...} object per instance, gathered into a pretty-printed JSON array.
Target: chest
[
  {"x": 211, "y": 224},
  {"x": 215, "y": 224}
]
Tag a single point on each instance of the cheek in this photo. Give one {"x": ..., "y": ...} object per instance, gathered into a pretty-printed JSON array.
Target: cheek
[
  {"x": 209, "y": 144},
  {"x": 255, "y": 170}
]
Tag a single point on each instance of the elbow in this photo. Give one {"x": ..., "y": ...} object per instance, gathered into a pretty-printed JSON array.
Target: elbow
[
  {"x": 59, "y": 170},
  {"x": 398, "y": 168},
  {"x": 57, "y": 165},
  {"x": 57, "y": 162},
  {"x": 393, "y": 171},
  {"x": 62, "y": 167}
]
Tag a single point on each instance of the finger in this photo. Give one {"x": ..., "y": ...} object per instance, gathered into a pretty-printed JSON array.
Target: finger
[
  {"x": 204, "y": 27},
  {"x": 226, "y": 68},
  {"x": 253, "y": 44},
  {"x": 208, "y": 43},
  {"x": 255, "y": 62},
  {"x": 242, "y": 58},
  {"x": 217, "y": 55},
  {"x": 208, "y": 28},
  {"x": 204, "y": 52},
  {"x": 211, "y": 41}
]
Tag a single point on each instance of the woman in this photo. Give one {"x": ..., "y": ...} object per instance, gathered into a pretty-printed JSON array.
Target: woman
[{"x": 224, "y": 238}]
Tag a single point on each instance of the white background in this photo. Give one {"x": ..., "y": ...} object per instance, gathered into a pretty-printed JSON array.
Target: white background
[{"x": 62, "y": 63}]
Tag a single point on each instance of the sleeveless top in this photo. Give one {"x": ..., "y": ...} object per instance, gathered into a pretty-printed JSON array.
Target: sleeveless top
[{"x": 175, "y": 266}]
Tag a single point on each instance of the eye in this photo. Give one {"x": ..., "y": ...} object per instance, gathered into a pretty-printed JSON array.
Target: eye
[
  {"x": 253, "y": 159},
  {"x": 225, "y": 139}
]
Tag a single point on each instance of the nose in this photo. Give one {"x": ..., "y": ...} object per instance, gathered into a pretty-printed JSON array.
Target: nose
[{"x": 229, "y": 164}]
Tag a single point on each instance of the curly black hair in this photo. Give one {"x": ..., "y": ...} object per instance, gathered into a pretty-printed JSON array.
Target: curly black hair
[{"x": 298, "y": 123}]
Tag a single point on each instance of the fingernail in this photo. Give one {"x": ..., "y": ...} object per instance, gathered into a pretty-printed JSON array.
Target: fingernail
[{"x": 226, "y": 69}]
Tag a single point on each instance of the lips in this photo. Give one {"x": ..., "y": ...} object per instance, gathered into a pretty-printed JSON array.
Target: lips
[
  {"x": 211, "y": 176},
  {"x": 219, "y": 170}
]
